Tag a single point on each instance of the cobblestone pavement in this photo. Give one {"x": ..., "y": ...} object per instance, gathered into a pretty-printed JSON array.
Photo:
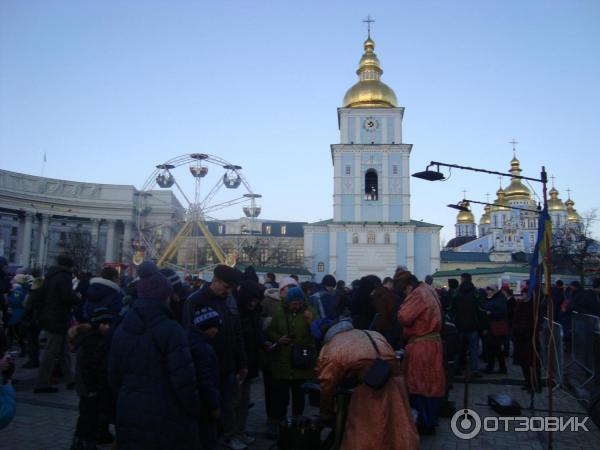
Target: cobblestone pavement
[{"x": 46, "y": 421}]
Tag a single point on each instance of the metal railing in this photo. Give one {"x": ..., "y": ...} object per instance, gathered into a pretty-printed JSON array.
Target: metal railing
[
  {"x": 582, "y": 343},
  {"x": 558, "y": 370}
]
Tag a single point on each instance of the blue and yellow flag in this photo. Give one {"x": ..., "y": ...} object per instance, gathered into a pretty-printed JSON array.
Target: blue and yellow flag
[{"x": 541, "y": 255}]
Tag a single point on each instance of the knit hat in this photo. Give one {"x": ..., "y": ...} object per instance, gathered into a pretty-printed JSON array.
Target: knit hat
[
  {"x": 287, "y": 281},
  {"x": 206, "y": 318},
  {"x": 294, "y": 293},
  {"x": 227, "y": 275},
  {"x": 328, "y": 281},
  {"x": 174, "y": 279},
  {"x": 152, "y": 283},
  {"x": 101, "y": 315}
]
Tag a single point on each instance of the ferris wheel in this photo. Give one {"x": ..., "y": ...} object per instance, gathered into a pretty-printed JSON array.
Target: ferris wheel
[{"x": 204, "y": 184}]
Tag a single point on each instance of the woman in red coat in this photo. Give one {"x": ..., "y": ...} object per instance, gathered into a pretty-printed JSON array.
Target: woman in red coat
[{"x": 420, "y": 315}]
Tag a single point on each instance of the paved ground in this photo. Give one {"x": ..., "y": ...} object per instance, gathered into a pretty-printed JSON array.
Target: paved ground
[{"x": 46, "y": 422}]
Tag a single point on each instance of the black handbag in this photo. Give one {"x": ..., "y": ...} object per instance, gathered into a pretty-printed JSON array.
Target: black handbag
[
  {"x": 302, "y": 356},
  {"x": 380, "y": 371}
]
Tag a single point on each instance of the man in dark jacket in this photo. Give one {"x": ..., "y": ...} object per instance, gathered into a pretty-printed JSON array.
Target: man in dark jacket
[
  {"x": 59, "y": 300},
  {"x": 91, "y": 382},
  {"x": 465, "y": 307},
  {"x": 206, "y": 324},
  {"x": 229, "y": 343},
  {"x": 584, "y": 301},
  {"x": 104, "y": 291},
  {"x": 151, "y": 370}
]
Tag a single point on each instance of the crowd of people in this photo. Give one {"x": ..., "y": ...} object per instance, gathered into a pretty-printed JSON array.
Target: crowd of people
[{"x": 171, "y": 362}]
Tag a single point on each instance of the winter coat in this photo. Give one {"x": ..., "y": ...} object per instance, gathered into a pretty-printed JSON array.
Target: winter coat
[
  {"x": 586, "y": 302},
  {"x": 377, "y": 419},
  {"x": 103, "y": 293},
  {"x": 328, "y": 304},
  {"x": 464, "y": 307},
  {"x": 523, "y": 324},
  {"x": 91, "y": 348},
  {"x": 8, "y": 404},
  {"x": 421, "y": 316},
  {"x": 497, "y": 307},
  {"x": 206, "y": 364},
  {"x": 15, "y": 303},
  {"x": 59, "y": 299},
  {"x": 253, "y": 340},
  {"x": 151, "y": 369},
  {"x": 229, "y": 343},
  {"x": 34, "y": 303},
  {"x": 270, "y": 303},
  {"x": 287, "y": 322}
]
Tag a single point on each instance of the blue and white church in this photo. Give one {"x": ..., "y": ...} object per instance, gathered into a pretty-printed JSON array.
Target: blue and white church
[{"x": 371, "y": 231}]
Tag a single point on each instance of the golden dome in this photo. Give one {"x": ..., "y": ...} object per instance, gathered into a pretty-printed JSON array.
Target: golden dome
[
  {"x": 485, "y": 217},
  {"x": 500, "y": 203},
  {"x": 572, "y": 214},
  {"x": 465, "y": 216},
  {"x": 516, "y": 190},
  {"x": 370, "y": 91},
  {"x": 555, "y": 204}
]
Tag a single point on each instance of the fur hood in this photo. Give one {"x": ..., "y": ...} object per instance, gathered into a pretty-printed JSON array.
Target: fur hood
[{"x": 105, "y": 282}]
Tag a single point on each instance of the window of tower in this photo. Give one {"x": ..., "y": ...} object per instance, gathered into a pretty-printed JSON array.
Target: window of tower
[
  {"x": 371, "y": 185},
  {"x": 371, "y": 237},
  {"x": 347, "y": 170},
  {"x": 355, "y": 238},
  {"x": 321, "y": 267},
  {"x": 395, "y": 169},
  {"x": 386, "y": 238}
]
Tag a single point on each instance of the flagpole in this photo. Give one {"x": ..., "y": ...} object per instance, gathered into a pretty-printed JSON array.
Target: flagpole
[
  {"x": 549, "y": 305},
  {"x": 43, "y": 164}
]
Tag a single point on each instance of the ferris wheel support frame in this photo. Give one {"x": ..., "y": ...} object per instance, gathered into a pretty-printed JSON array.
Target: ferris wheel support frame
[{"x": 198, "y": 216}]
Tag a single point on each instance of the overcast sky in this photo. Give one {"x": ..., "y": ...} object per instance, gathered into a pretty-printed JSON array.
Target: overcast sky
[{"x": 109, "y": 89}]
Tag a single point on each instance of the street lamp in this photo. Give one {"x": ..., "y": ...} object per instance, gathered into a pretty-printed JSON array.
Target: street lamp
[{"x": 437, "y": 175}]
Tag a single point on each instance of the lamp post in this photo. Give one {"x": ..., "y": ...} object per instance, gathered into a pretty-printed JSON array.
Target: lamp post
[
  {"x": 436, "y": 175},
  {"x": 459, "y": 207}
]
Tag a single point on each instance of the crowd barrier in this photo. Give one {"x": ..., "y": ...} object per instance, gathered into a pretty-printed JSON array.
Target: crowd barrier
[
  {"x": 558, "y": 363},
  {"x": 584, "y": 327}
]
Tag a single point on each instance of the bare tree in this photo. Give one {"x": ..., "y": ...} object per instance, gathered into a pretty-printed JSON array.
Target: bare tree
[
  {"x": 573, "y": 248},
  {"x": 78, "y": 245}
]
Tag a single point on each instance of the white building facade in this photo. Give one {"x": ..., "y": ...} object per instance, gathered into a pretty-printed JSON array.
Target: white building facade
[
  {"x": 40, "y": 217},
  {"x": 371, "y": 231}
]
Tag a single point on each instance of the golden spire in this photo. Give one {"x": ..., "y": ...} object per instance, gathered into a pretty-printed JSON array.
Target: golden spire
[
  {"x": 555, "y": 204},
  {"x": 516, "y": 190},
  {"x": 500, "y": 203},
  {"x": 572, "y": 214},
  {"x": 370, "y": 91}
]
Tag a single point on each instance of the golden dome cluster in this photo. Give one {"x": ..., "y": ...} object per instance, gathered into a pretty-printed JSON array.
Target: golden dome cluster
[{"x": 370, "y": 91}]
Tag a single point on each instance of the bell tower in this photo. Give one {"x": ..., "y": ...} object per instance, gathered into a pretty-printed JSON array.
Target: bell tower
[{"x": 371, "y": 164}]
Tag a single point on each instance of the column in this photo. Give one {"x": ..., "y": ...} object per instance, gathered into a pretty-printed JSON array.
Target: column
[
  {"x": 109, "y": 256},
  {"x": 25, "y": 256},
  {"x": 126, "y": 251},
  {"x": 43, "y": 241},
  {"x": 94, "y": 233}
]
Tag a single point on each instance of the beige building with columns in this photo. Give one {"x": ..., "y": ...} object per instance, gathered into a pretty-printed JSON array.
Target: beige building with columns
[{"x": 41, "y": 217}]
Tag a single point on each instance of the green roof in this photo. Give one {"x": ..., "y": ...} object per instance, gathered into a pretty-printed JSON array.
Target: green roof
[
  {"x": 416, "y": 223},
  {"x": 481, "y": 271}
]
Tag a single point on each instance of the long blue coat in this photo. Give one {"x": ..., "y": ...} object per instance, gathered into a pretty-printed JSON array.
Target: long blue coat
[{"x": 151, "y": 369}]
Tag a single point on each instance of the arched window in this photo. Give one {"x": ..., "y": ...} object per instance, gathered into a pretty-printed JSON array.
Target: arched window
[
  {"x": 371, "y": 185},
  {"x": 371, "y": 237},
  {"x": 386, "y": 238},
  {"x": 321, "y": 267},
  {"x": 355, "y": 238}
]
